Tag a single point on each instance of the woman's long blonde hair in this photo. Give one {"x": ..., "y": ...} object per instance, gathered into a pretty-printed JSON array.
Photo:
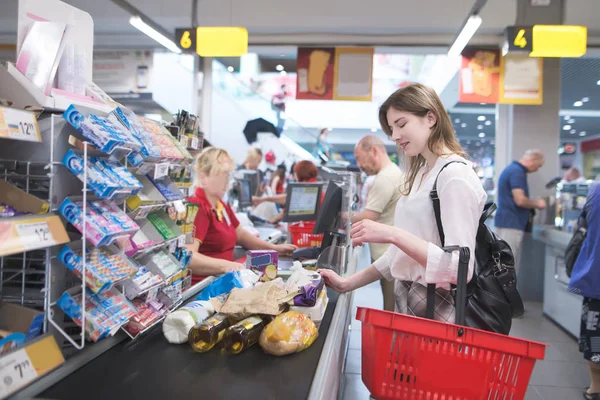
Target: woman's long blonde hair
[{"x": 419, "y": 99}]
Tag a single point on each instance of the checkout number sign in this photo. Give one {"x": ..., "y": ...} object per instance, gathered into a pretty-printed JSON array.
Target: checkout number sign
[
  {"x": 16, "y": 371},
  {"x": 186, "y": 39}
]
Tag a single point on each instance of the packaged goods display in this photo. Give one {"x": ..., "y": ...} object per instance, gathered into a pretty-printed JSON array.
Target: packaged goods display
[
  {"x": 177, "y": 325},
  {"x": 206, "y": 335},
  {"x": 103, "y": 269},
  {"x": 243, "y": 335},
  {"x": 141, "y": 282},
  {"x": 289, "y": 333},
  {"x": 147, "y": 315},
  {"x": 105, "y": 313}
]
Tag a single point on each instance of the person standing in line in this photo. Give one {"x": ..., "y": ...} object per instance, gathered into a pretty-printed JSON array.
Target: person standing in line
[
  {"x": 572, "y": 175},
  {"x": 514, "y": 203},
  {"x": 323, "y": 150},
  {"x": 585, "y": 281},
  {"x": 278, "y": 105},
  {"x": 382, "y": 196}
]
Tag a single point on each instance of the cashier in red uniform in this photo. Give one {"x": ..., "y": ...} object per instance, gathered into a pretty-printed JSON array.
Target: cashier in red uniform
[{"x": 217, "y": 230}]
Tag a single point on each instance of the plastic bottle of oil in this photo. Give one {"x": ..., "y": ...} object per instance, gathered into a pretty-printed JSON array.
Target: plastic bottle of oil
[
  {"x": 207, "y": 334},
  {"x": 244, "y": 334}
]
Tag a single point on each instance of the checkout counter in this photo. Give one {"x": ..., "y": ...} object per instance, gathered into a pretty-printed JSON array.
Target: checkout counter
[
  {"x": 561, "y": 306},
  {"x": 150, "y": 367}
]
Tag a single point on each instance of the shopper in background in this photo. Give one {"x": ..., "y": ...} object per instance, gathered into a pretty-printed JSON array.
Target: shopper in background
[
  {"x": 572, "y": 175},
  {"x": 323, "y": 149},
  {"x": 514, "y": 204},
  {"x": 216, "y": 228},
  {"x": 417, "y": 121},
  {"x": 585, "y": 281},
  {"x": 382, "y": 196},
  {"x": 278, "y": 105},
  {"x": 251, "y": 163},
  {"x": 277, "y": 183},
  {"x": 304, "y": 171}
]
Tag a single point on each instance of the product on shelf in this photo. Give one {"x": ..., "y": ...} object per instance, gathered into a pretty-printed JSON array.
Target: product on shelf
[
  {"x": 15, "y": 202},
  {"x": 169, "y": 148},
  {"x": 162, "y": 228},
  {"x": 148, "y": 314},
  {"x": 190, "y": 217},
  {"x": 167, "y": 189},
  {"x": 141, "y": 282},
  {"x": 105, "y": 313},
  {"x": 104, "y": 134},
  {"x": 104, "y": 220},
  {"x": 205, "y": 335},
  {"x": 288, "y": 333},
  {"x": 264, "y": 262},
  {"x": 170, "y": 295},
  {"x": 177, "y": 325},
  {"x": 119, "y": 174},
  {"x": 103, "y": 269},
  {"x": 97, "y": 181},
  {"x": 244, "y": 334}
]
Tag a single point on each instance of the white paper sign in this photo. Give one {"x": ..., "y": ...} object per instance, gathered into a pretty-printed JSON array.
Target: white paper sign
[
  {"x": 35, "y": 235},
  {"x": 161, "y": 170},
  {"x": 16, "y": 371},
  {"x": 181, "y": 241},
  {"x": 173, "y": 246},
  {"x": 19, "y": 125},
  {"x": 184, "y": 141},
  {"x": 194, "y": 143}
]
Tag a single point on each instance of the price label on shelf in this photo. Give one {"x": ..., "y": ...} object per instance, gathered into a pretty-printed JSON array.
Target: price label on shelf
[
  {"x": 173, "y": 246},
  {"x": 16, "y": 371},
  {"x": 35, "y": 235},
  {"x": 161, "y": 170},
  {"x": 19, "y": 124},
  {"x": 194, "y": 143},
  {"x": 184, "y": 141},
  {"x": 181, "y": 241}
]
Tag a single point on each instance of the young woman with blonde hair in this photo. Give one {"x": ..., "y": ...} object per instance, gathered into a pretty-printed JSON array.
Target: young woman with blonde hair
[
  {"x": 415, "y": 118},
  {"x": 216, "y": 228}
]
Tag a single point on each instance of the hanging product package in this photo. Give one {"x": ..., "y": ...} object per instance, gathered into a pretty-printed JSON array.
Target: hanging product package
[
  {"x": 227, "y": 282},
  {"x": 288, "y": 333}
]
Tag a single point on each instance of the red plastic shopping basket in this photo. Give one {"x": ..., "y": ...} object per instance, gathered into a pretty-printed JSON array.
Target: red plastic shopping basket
[
  {"x": 302, "y": 234},
  {"x": 406, "y": 357}
]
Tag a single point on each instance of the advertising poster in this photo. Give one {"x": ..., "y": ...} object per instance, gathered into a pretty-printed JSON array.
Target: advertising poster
[
  {"x": 315, "y": 70},
  {"x": 123, "y": 71},
  {"x": 521, "y": 79},
  {"x": 353, "y": 78},
  {"x": 480, "y": 76}
]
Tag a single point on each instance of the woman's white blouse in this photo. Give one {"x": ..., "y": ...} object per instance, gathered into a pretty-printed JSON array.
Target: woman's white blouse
[{"x": 462, "y": 199}]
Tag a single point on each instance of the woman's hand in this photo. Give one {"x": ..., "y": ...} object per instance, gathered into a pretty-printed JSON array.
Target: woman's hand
[
  {"x": 334, "y": 281},
  {"x": 284, "y": 249},
  {"x": 257, "y": 200},
  {"x": 367, "y": 231},
  {"x": 232, "y": 266}
]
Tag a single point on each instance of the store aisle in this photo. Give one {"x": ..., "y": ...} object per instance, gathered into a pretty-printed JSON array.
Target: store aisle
[{"x": 561, "y": 376}]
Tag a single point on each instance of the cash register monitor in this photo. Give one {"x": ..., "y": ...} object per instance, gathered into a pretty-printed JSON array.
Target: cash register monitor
[
  {"x": 302, "y": 202},
  {"x": 245, "y": 193},
  {"x": 328, "y": 217}
]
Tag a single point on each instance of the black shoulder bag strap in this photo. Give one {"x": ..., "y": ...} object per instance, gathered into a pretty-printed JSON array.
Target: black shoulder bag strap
[{"x": 433, "y": 195}]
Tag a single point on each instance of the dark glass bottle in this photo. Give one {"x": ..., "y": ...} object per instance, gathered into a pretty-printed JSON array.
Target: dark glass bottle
[{"x": 205, "y": 335}]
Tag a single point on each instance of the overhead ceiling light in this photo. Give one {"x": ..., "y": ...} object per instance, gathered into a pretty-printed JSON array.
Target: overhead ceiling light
[
  {"x": 468, "y": 142},
  {"x": 578, "y": 104},
  {"x": 488, "y": 123},
  {"x": 571, "y": 121},
  {"x": 483, "y": 104},
  {"x": 282, "y": 55},
  {"x": 585, "y": 99},
  {"x": 457, "y": 120},
  {"x": 373, "y": 130},
  {"x": 279, "y": 67},
  {"x": 283, "y": 73},
  {"x": 566, "y": 127},
  {"x": 138, "y": 23},
  {"x": 481, "y": 118},
  {"x": 481, "y": 134},
  {"x": 567, "y": 117},
  {"x": 464, "y": 125},
  {"x": 230, "y": 69},
  {"x": 598, "y": 83},
  {"x": 582, "y": 133},
  {"x": 572, "y": 131},
  {"x": 465, "y": 35},
  {"x": 329, "y": 129},
  {"x": 479, "y": 126}
]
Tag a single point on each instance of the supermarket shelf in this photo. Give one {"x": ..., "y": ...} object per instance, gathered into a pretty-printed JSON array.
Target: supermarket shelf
[
  {"x": 152, "y": 248},
  {"x": 31, "y": 233}
]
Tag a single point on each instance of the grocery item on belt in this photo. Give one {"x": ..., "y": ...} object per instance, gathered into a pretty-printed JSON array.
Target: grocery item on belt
[
  {"x": 244, "y": 334},
  {"x": 264, "y": 262},
  {"x": 316, "y": 312},
  {"x": 177, "y": 325},
  {"x": 304, "y": 287},
  {"x": 205, "y": 335},
  {"x": 227, "y": 282},
  {"x": 264, "y": 299},
  {"x": 289, "y": 333}
]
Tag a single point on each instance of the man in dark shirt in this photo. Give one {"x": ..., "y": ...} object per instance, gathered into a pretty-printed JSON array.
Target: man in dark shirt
[{"x": 514, "y": 204}]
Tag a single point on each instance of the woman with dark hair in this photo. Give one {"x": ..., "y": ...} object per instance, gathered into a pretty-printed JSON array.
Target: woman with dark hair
[
  {"x": 277, "y": 183},
  {"x": 304, "y": 171},
  {"x": 415, "y": 118}
]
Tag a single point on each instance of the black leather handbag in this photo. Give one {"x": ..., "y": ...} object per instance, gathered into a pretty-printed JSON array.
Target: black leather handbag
[{"x": 491, "y": 299}]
